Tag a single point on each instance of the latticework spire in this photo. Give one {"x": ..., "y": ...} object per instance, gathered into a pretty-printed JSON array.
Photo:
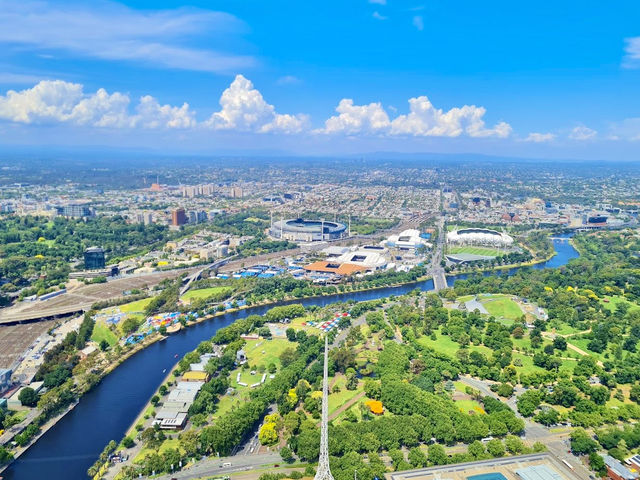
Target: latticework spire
[{"x": 324, "y": 473}]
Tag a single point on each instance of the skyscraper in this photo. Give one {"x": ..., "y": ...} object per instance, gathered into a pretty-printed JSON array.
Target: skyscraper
[{"x": 178, "y": 217}]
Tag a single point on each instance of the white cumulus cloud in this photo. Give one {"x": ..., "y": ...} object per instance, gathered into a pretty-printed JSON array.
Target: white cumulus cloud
[
  {"x": 153, "y": 115},
  {"x": 57, "y": 101},
  {"x": 536, "y": 137},
  {"x": 354, "y": 119},
  {"x": 378, "y": 16},
  {"x": 423, "y": 120},
  {"x": 245, "y": 109},
  {"x": 379, "y": 2},
  {"x": 582, "y": 133}
]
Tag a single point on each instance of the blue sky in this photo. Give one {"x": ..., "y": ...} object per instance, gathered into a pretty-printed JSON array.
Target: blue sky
[{"x": 545, "y": 79}]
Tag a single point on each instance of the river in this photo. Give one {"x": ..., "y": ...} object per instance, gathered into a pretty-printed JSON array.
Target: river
[{"x": 69, "y": 448}]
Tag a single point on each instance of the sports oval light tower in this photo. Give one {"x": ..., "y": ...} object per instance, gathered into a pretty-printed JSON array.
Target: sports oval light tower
[{"x": 324, "y": 473}]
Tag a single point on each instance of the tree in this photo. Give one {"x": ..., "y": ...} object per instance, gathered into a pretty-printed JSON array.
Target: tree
[
  {"x": 476, "y": 450},
  {"x": 127, "y": 442},
  {"x": 582, "y": 443},
  {"x": 514, "y": 445},
  {"x": 189, "y": 442},
  {"x": 372, "y": 389},
  {"x": 268, "y": 434},
  {"x": 437, "y": 454},
  {"x": 505, "y": 390},
  {"x": 560, "y": 343},
  {"x": 288, "y": 356},
  {"x": 547, "y": 417},
  {"x": 634, "y": 393},
  {"x": 286, "y": 454},
  {"x": 104, "y": 345},
  {"x": 291, "y": 334},
  {"x": 597, "y": 464},
  {"x": 417, "y": 458},
  {"x": 599, "y": 395},
  {"x": 28, "y": 397},
  {"x": 495, "y": 448}
]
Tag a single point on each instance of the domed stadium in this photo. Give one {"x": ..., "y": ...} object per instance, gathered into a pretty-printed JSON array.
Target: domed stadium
[
  {"x": 479, "y": 236},
  {"x": 304, "y": 230}
]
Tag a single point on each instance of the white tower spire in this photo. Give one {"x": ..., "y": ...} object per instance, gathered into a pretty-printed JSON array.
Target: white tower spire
[{"x": 324, "y": 473}]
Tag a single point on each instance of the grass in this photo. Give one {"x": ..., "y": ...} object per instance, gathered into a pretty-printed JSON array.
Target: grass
[
  {"x": 562, "y": 328},
  {"x": 502, "y": 307},
  {"x": 296, "y": 324},
  {"x": 582, "y": 344},
  {"x": 204, "y": 293},
  {"x": 167, "y": 444},
  {"x": 135, "y": 307},
  {"x": 469, "y": 405},
  {"x": 263, "y": 352},
  {"x": 102, "y": 332},
  {"x": 616, "y": 300},
  {"x": 336, "y": 400},
  {"x": 444, "y": 344},
  {"x": 489, "y": 252}
]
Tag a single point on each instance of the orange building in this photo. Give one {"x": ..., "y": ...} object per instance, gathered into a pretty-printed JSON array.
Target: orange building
[{"x": 344, "y": 269}]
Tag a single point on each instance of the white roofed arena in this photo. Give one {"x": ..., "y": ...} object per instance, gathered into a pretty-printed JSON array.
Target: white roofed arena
[{"x": 479, "y": 236}]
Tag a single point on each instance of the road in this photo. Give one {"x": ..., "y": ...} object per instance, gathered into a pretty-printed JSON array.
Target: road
[
  {"x": 437, "y": 272},
  {"x": 16, "y": 429},
  {"x": 215, "y": 466}
]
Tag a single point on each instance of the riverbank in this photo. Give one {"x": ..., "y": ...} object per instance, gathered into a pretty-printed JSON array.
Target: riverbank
[
  {"x": 102, "y": 417},
  {"x": 43, "y": 429}
]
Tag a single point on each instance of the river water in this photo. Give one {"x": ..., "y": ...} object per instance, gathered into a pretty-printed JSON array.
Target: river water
[{"x": 68, "y": 449}]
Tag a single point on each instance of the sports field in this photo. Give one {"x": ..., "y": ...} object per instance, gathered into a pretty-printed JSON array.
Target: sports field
[
  {"x": 502, "y": 307},
  {"x": 489, "y": 252}
]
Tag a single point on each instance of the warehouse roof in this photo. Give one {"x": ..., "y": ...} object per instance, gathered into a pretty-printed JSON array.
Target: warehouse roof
[
  {"x": 195, "y": 376},
  {"x": 538, "y": 472}
]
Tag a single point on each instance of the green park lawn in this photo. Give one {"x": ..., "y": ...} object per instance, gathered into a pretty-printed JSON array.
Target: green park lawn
[
  {"x": 263, "y": 352},
  {"x": 469, "y": 405},
  {"x": 135, "y": 307},
  {"x": 102, "y": 332},
  {"x": 204, "y": 293},
  {"x": 167, "y": 444},
  {"x": 444, "y": 344},
  {"x": 582, "y": 344},
  {"x": 336, "y": 400},
  {"x": 562, "y": 328},
  {"x": 616, "y": 300}
]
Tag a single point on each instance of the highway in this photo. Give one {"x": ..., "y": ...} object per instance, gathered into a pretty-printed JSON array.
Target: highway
[{"x": 437, "y": 272}]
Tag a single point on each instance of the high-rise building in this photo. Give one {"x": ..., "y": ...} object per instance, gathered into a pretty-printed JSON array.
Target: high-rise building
[
  {"x": 236, "y": 192},
  {"x": 73, "y": 210},
  {"x": 178, "y": 217},
  {"x": 94, "y": 258}
]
